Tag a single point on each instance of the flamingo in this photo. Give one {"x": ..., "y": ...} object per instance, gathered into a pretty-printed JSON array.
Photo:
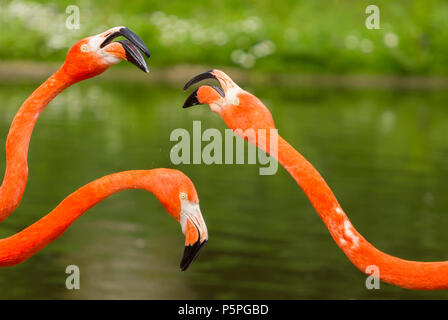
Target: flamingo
[
  {"x": 172, "y": 188},
  {"x": 241, "y": 110},
  {"x": 89, "y": 57}
]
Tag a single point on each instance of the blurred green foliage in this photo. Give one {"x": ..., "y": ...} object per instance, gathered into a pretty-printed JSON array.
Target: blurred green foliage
[{"x": 319, "y": 36}]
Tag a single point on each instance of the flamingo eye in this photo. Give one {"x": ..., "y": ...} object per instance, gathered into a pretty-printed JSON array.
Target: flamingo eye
[
  {"x": 183, "y": 196},
  {"x": 84, "y": 48}
]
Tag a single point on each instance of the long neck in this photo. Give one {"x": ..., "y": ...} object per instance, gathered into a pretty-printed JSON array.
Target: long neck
[
  {"x": 403, "y": 273},
  {"x": 19, "y": 135},
  {"x": 21, "y": 246}
]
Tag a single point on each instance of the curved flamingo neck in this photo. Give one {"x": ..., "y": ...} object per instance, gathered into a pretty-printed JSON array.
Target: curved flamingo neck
[
  {"x": 17, "y": 143},
  {"x": 403, "y": 273},
  {"x": 22, "y": 245}
]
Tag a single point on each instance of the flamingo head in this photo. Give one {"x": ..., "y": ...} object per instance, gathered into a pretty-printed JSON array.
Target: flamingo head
[
  {"x": 238, "y": 108},
  {"x": 178, "y": 195},
  {"x": 93, "y": 55}
]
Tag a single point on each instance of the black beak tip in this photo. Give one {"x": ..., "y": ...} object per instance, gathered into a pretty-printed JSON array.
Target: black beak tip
[
  {"x": 135, "y": 39},
  {"x": 142, "y": 66},
  {"x": 190, "y": 254},
  {"x": 133, "y": 55},
  {"x": 192, "y": 100},
  {"x": 205, "y": 75}
]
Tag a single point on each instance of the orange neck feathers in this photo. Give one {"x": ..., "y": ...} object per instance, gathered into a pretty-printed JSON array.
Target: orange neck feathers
[
  {"x": 18, "y": 140},
  {"x": 403, "y": 273},
  {"x": 242, "y": 111},
  {"x": 21, "y": 246}
]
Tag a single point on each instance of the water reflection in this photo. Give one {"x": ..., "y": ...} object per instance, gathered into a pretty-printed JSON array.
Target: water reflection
[{"x": 383, "y": 153}]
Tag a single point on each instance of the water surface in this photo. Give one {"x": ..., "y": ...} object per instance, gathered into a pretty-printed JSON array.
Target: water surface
[{"x": 384, "y": 154}]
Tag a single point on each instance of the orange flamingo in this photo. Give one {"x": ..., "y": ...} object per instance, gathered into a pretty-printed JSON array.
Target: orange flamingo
[
  {"x": 242, "y": 110},
  {"x": 89, "y": 57},
  {"x": 172, "y": 188}
]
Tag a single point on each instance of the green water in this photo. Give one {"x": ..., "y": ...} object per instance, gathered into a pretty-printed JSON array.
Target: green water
[{"x": 384, "y": 154}]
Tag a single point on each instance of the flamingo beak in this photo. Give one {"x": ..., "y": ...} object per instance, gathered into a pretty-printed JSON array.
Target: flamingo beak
[
  {"x": 133, "y": 46},
  {"x": 133, "y": 55},
  {"x": 205, "y": 75},
  {"x": 192, "y": 99},
  {"x": 196, "y": 234},
  {"x": 190, "y": 254}
]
